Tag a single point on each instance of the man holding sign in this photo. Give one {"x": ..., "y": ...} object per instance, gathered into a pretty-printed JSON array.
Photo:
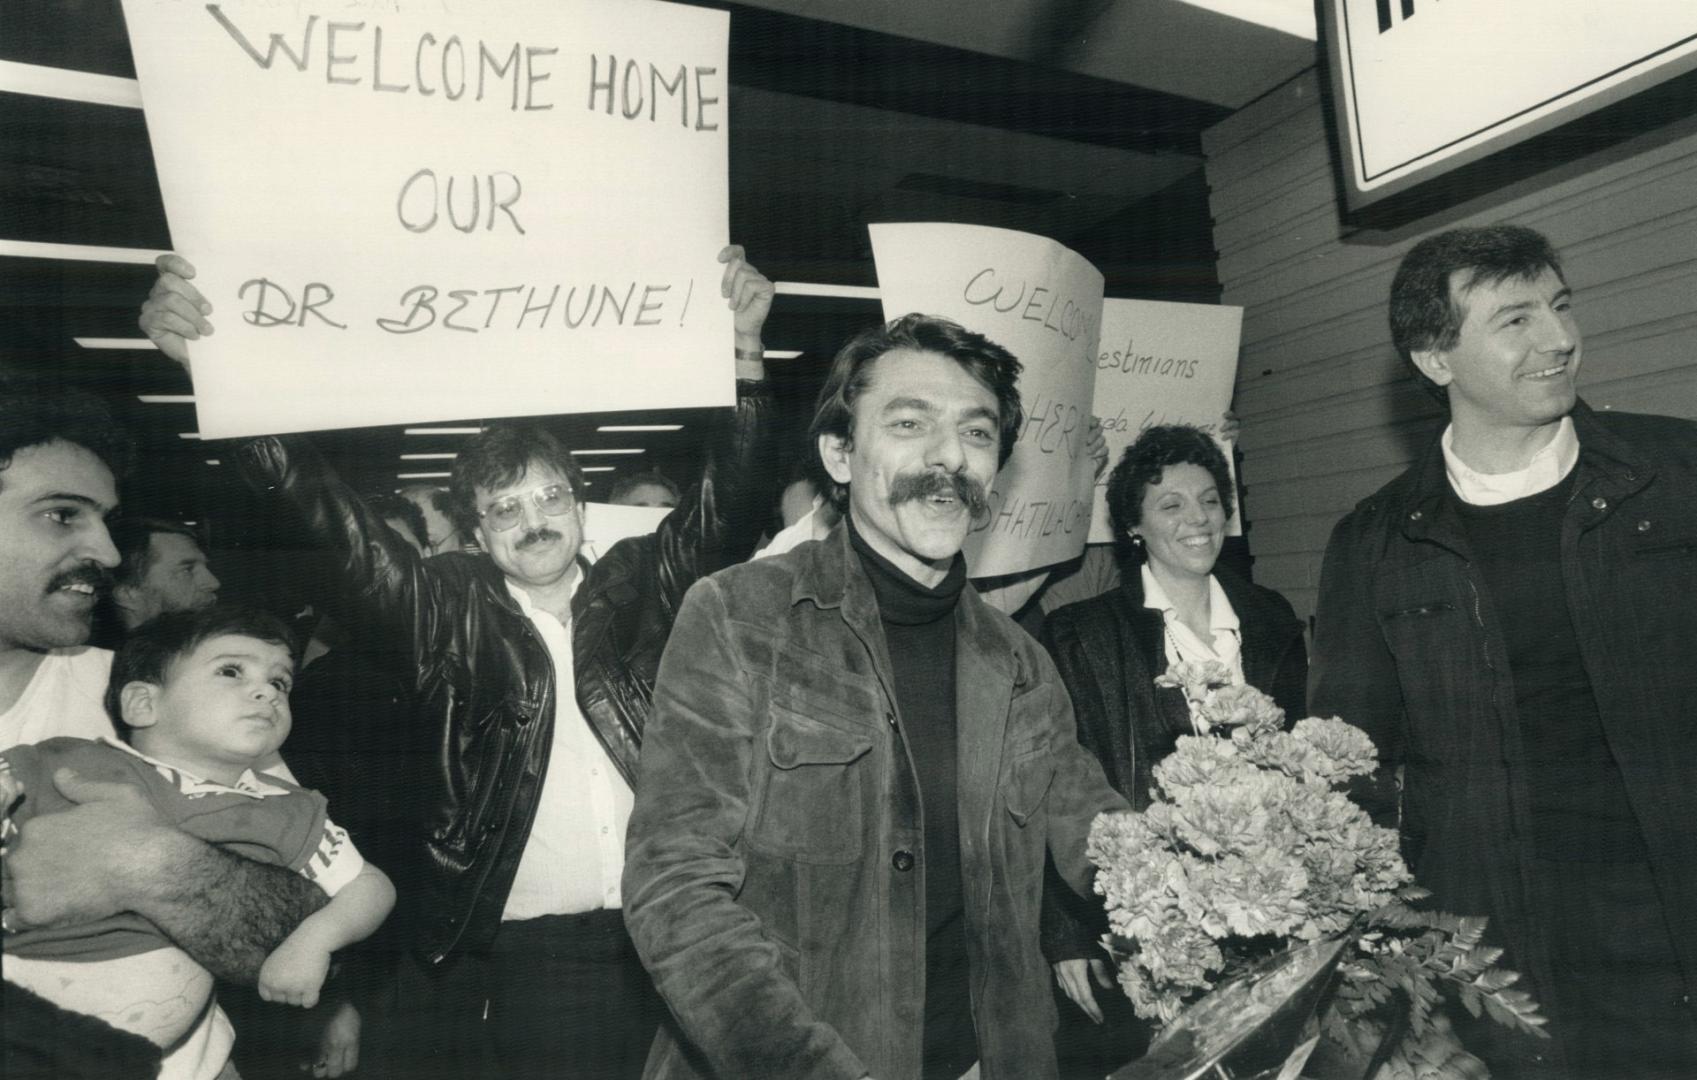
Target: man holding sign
[
  {"x": 534, "y": 673},
  {"x": 855, "y": 768}
]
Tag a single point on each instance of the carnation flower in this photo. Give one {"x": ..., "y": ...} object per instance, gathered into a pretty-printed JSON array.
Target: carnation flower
[
  {"x": 1346, "y": 750},
  {"x": 1253, "y": 894},
  {"x": 1227, "y": 818},
  {"x": 1195, "y": 761},
  {"x": 1242, "y": 706}
]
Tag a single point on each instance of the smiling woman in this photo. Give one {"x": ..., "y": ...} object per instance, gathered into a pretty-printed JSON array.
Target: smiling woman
[{"x": 1169, "y": 497}]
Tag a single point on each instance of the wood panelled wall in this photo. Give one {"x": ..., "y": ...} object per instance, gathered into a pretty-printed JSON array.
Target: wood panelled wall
[{"x": 1329, "y": 411}]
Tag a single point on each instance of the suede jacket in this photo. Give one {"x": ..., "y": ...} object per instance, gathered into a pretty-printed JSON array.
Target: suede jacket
[
  {"x": 1409, "y": 648},
  {"x": 775, "y": 868},
  {"x": 485, "y": 686},
  {"x": 1108, "y": 650}
]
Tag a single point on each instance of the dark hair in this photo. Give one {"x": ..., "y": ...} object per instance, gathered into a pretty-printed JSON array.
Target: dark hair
[
  {"x": 1423, "y": 310},
  {"x": 133, "y": 537},
  {"x": 1147, "y": 459},
  {"x": 627, "y": 484},
  {"x": 149, "y": 651},
  {"x": 498, "y": 457},
  {"x": 388, "y": 507},
  {"x": 982, "y": 358},
  {"x": 33, "y": 414}
]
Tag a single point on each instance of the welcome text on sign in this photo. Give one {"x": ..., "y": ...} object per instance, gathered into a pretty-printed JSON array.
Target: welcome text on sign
[{"x": 449, "y": 68}]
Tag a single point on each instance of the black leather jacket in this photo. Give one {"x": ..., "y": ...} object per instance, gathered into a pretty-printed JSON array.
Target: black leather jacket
[{"x": 484, "y": 682}]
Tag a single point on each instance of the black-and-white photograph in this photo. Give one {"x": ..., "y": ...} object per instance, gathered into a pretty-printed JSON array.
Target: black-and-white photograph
[{"x": 848, "y": 540}]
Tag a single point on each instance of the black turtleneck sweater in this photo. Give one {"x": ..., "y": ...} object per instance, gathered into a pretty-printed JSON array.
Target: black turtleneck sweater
[{"x": 919, "y": 630}]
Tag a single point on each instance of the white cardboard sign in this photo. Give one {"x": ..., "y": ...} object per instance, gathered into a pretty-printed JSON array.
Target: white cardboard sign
[
  {"x": 1161, "y": 363},
  {"x": 1042, "y": 302},
  {"x": 415, "y": 210},
  {"x": 605, "y": 524}
]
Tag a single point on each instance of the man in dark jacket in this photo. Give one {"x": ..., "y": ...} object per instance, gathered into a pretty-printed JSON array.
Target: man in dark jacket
[
  {"x": 534, "y": 674},
  {"x": 1510, "y": 620},
  {"x": 855, "y": 767}
]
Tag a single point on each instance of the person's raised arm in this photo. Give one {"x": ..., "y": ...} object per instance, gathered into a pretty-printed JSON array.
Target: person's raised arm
[
  {"x": 723, "y": 511},
  {"x": 112, "y": 853},
  {"x": 710, "y": 958}
]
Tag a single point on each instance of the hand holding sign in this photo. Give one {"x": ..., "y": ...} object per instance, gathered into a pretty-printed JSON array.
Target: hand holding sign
[
  {"x": 175, "y": 312},
  {"x": 750, "y": 295}
]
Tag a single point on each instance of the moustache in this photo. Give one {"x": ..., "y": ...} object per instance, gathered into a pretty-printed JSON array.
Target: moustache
[
  {"x": 536, "y": 536},
  {"x": 924, "y": 485},
  {"x": 87, "y": 574}
]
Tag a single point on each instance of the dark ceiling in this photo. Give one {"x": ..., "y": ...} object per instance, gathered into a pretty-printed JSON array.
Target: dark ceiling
[{"x": 831, "y": 127}]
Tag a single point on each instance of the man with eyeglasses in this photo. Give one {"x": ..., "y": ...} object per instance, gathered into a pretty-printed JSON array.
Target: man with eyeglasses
[{"x": 534, "y": 677}]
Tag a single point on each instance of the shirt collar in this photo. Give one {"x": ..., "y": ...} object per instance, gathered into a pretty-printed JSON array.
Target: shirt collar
[
  {"x": 248, "y": 783},
  {"x": 1547, "y": 468},
  {"x": 1220, "y": 613},
  {"x": 530, "y": 610}
]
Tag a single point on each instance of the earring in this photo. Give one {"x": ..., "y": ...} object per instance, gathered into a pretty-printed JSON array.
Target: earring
[{"x": 1137, "y": 541}]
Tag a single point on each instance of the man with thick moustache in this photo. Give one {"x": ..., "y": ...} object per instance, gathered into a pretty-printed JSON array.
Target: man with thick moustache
[
  {"x": 1510, "y": 621},
  {"x": 533, "y": 679},
  {"x": 855, "y": 768}
]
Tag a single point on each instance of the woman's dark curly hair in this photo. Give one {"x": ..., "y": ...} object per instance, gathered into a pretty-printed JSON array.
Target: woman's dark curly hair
[{"x": 1144, "y": 462}]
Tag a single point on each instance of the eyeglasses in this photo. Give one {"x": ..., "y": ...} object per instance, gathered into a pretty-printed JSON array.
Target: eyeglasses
[{"x": 507, "y": 511}]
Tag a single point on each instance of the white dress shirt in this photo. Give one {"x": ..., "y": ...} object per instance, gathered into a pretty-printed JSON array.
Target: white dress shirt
[
  {"x": 576, "y": 851},
  {"x": 1225, "y": 643}
]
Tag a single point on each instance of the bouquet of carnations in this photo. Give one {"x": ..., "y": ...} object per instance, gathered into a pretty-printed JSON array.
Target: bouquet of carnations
[{"x": 1251, "y": 846}]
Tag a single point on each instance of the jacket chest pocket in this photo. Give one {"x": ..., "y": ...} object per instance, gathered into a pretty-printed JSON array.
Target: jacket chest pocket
[
  {"x": 1442, "y": 669},
  {"x": 1030, "y": 776},
  {"x": 812, "y": 803}
]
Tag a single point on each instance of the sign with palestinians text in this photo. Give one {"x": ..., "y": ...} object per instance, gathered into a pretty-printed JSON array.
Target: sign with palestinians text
[
  {"x": 1161, "y": 363},
  {"x": 1043, "y": 303},
  {"x": 415, "y": 210}
]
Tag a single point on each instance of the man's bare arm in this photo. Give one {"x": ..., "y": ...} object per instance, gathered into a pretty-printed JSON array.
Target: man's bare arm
[
  {"x": 112, "y": 853},
  {"x": 227, "y": 912}
]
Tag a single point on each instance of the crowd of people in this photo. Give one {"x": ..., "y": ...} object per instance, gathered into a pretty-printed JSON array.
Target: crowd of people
[{"x": 685, "y": 812}]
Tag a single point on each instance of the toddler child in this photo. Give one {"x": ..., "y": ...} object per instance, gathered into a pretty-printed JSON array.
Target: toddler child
[{"x": 204, "y": 696}]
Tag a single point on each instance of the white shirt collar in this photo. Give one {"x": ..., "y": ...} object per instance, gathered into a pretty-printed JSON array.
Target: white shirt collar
[
  {"x": 529, "y": 608},
  {"x": 1547, "y": 468},
  {"x": 248, "y": 783},
  {"x": 1220, "y": 613}
]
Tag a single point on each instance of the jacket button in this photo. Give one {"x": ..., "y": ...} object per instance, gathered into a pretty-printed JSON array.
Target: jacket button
[
  {"x": 1644, "y": 526},
  {"x": 1417, "y": 515},
  {"x": 902, "y": 860},
  {"x": 1600, "y": 503}
]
